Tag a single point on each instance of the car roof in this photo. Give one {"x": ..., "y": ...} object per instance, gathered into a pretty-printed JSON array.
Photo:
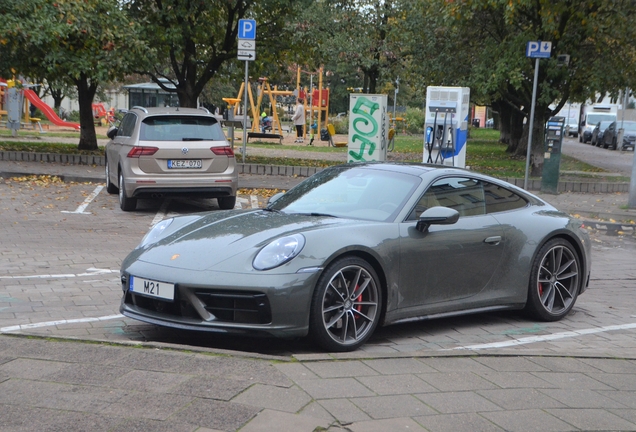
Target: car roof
[{"x": 155, "y": 111}]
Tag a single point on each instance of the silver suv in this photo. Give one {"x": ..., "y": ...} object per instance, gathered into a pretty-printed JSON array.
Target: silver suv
[{"x": 170, "y": 151}]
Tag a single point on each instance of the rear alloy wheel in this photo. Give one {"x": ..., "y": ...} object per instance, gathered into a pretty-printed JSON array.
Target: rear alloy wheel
[
  {"x": 346, "y": 306},
  {"x": 226, "y": 203},
  {"x": 110, "y": 187},
  {"x": 125, "y": 203},
  {"x": 554, "y": 281}
]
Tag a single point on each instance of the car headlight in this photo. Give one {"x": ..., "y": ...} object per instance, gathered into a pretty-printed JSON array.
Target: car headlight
[
  {"x": 156, "y": 232},
  {"x": 279, "y": 251}
]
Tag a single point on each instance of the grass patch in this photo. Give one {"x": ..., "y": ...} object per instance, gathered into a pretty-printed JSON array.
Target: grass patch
[
  {"x": 47, "y": 147},
  {"x": 31, "y": 133}
]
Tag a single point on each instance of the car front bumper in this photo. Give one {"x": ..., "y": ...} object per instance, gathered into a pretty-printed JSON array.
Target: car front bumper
[{"x": 234, "y": 303}]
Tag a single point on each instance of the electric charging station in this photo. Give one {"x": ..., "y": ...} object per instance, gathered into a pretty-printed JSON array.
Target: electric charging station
[
  {"x": 446, "y": 126},
  {"x": 552, "y": 156}
]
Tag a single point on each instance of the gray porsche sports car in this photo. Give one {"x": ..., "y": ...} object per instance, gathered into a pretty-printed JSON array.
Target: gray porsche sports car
[{"x": 357, "y": 246}]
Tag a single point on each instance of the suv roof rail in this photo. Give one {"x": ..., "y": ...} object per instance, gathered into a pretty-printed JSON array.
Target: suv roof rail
[
  {"x": 141, "y": 108},
  {"x": 204, "y": 109}
]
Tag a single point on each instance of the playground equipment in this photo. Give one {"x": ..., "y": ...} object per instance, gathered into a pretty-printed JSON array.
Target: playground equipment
[
  {"x": 26, "y": 95},
  {"x": 103, "y": 116},
  {"x": 317, "y": 106}
]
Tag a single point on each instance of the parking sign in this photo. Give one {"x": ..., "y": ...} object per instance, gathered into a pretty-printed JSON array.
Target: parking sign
[
  {"x": 538, "y": 49},
  {"x": 247, "y": 29}
]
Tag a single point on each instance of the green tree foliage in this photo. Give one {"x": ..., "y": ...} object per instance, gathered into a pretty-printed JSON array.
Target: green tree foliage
[
  {"x": 80, "y": 42},
  {"x": 358, "y": 39},
  {"x": 481, "y": 44},
  {"x": 194, "y": 39}
]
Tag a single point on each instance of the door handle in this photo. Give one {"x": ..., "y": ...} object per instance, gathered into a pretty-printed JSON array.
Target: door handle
[{"x": 494, "y": 240}]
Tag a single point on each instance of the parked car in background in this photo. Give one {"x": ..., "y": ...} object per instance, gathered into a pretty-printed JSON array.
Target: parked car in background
[
  {"x": 597, "y": 132},
  {"x": 490, "y": 123},
  {"x": 610, "y": 136},
  {"x": 170, "y": 151},
  {"x": 359, "y": 246},
  {"x": 572, "y": 127}
]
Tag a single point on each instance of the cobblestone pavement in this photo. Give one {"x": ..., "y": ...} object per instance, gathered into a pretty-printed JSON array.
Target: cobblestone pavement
[{"x": 62, "y": 244}]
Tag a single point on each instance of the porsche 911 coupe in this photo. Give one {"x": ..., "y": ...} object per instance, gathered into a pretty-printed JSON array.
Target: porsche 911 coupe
[{"x": 359, "y": 246}]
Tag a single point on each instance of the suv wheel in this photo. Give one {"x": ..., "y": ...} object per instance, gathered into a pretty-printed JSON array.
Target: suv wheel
[
  {"x": 110, "y": 187},
  {"x": 226, "y": 203},
  {"x": 125, "y": 203}
]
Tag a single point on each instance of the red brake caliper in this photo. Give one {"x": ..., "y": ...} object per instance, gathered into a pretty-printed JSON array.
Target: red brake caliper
[{"x": 358, "y": 299}]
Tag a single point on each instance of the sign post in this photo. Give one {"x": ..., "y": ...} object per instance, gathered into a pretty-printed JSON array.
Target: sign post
[
  {"x": 247, "y": 52},
  {"x": 536, "y": 50}
]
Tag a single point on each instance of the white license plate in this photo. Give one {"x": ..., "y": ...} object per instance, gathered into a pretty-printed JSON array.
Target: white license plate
[
  {"x": 151, "y": 288},
  {"x": 185, "y": 163}
]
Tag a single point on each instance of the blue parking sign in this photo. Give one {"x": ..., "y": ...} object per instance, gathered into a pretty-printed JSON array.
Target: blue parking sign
[
  {"x": 247, "y": 29},
  {"x": 538, "y": 49}
]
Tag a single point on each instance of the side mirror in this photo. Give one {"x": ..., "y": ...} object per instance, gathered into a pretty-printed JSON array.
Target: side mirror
[
  {"x": 275, "y": 197},
  {"x": 112, "y": 131},
  {"x": 436, "y": 216}
]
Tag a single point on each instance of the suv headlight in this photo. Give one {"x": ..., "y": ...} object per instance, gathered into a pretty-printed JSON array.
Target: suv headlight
[{"x": 278, "y": 252}]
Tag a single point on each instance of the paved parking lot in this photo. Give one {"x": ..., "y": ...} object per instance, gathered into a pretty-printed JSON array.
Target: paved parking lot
[{"x": 63, "y": 245}]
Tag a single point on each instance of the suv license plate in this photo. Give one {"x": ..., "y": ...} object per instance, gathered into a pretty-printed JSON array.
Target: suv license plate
[
  {"x": 185, "y": 163},
  {"x": 152, "y": 288}
]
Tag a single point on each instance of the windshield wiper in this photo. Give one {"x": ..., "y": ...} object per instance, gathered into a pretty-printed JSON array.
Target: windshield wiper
[
  {"x": 191, "y": 139},
  {"x": 320, "y": 214},
  {"x": 269, "y": 209}
]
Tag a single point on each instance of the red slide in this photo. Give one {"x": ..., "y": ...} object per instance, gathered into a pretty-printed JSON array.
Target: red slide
[{"x": 47, "y": 110}]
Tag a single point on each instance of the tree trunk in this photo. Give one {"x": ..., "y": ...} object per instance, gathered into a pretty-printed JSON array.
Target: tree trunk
[
  {"x": 537, "y": 150},
  {"x": 188, "y": 98},
  {"x": 85, "y": 96}
]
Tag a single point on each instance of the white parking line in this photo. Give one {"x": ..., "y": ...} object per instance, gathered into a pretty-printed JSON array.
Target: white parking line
[
  {"x": 89, "y": 272},
  {"x": 87, "y": 201},
  {"x": 54, "y": 323},
  {"x": 161, "y": 214},
  {"x": 254, "y": 201},
  {"x": 546, "y": 338}
]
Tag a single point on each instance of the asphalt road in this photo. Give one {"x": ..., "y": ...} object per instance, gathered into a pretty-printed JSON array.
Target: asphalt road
[{"x": 610, "y": 160}]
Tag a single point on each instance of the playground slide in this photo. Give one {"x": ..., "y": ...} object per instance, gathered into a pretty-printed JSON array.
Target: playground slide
[{"x": 47, "y": 110}]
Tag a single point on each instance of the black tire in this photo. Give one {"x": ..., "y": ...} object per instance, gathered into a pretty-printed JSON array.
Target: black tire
[
  {"x": 581, "y": 138},
  {"x": 125, "y": 203},
  {"x": 555, "y": 281},
  {"x": 343, "y": 319},
  {"x": 110, "y": 187},
  {"x": 226, "y": 203},
  {"x": 614, "y": 145}
]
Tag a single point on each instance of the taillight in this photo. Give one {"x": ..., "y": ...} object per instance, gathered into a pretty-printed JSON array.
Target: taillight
[
  {"x": 135, "y": 152},
  {"x": 223, "y": 151}
]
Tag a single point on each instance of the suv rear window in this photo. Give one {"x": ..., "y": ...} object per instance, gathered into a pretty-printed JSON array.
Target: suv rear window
[{"x": 181, "y": 128}]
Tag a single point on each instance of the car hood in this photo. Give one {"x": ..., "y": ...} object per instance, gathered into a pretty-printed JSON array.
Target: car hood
[{"x": 218, "y": 236}]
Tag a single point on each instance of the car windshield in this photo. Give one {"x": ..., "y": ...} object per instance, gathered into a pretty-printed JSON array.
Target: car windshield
[
  {"x": 356, "y": 192},
  {"x": 181, "y": 128},
  {"x": 604, "y": 124},
  {"x": 628, "y": 126},
  {"x": 595, "y": 118}
]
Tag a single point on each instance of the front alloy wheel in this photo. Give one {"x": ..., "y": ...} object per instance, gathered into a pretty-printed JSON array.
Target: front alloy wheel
[
  {"x": 555, "y": 281},
  {"x": 346, "y": 306}
]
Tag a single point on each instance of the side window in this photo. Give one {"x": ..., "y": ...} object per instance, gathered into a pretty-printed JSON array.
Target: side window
[
  {"x": 499, "y": 199},
  {"x": 127, "y": 125},
  {"x": 466, "y": 195}
]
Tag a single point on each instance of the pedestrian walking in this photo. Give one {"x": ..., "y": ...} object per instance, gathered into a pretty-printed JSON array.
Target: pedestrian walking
[{"x": 299, "y": 120}]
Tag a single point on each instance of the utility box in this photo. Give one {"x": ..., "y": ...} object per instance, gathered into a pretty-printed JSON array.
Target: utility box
[
  {"x": 368, "y": 127},
  {"x": 14, "y": 97},
  {"x": 552, "y": 156},
  {"x": 446, "y": 125}
]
